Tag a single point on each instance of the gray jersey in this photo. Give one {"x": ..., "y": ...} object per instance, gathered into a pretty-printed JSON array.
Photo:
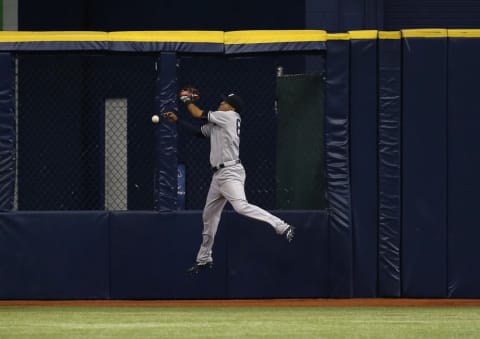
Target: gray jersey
[{"x": 223, "y": 129}]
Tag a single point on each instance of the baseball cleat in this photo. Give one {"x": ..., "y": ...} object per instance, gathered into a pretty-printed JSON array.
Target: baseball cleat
[
  {"x": 195, "y": 269},
  {"x": 289, "y": 233}
]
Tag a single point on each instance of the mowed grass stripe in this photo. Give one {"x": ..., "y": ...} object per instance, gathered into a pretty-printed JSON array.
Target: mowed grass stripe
[{"x": 236, "y": 322}]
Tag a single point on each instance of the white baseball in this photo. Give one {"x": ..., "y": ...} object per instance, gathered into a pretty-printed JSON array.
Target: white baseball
[{"x": 155, "y": 119}]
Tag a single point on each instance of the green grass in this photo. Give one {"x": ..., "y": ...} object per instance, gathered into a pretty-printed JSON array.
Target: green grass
[{"x": 236, "y": 322}]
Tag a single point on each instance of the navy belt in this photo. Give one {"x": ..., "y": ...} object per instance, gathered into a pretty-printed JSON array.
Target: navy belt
[{"x": 225, "y": 164}]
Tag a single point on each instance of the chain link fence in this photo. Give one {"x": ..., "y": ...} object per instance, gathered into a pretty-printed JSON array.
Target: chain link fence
[
  {"x": 79, "y": 118},
  {"x": 86, "y": 142}
]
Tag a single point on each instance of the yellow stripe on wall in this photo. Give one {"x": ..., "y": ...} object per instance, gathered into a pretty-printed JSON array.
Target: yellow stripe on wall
[
  {"x": 15, "y": 36},
  {"x": 389, "y": 35},
  {"x": 425, "y": 33},
  {"x": 266, "y": 36},
  {"x": 233, "y": 37},
  {"x": 338, "y": 36},
  {"x": 358, "y": 35},
  {"x": 168, "y": 36},
  {"x": 464, "y": 33}
]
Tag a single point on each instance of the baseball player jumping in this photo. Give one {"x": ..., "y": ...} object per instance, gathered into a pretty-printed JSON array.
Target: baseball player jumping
[{"x": 223, "y": 128}]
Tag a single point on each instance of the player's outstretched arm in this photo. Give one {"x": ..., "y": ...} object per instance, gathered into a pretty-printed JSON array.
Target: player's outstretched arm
[
  {"x": 193, "y": 130},
  {"x": 194, "y": 110}
]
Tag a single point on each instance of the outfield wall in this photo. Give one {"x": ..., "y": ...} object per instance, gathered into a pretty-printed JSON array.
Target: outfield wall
[
  {"x": 402, "y": 166},
  {"x": 144, "y": 255}
]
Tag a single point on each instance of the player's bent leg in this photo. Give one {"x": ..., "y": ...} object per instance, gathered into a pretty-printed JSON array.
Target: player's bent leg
[
  {"x": 243, "y": 207},
  {"x": 234, "y": 191},
  {"x": 211, "y": 218}
]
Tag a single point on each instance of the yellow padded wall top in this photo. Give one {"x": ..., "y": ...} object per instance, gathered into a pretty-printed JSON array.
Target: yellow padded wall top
[
  {"x": 338, "y": 36},
  {"x": 464, "y": 33},
  {"x": 168, "y": 36},
  {"x": 229, "y": 38},
  {"x": 389, "y": 35},
  {"x": 274, "y": 36},
  {"x": 366, "y": 34},
  {"x": 24, "y": 36},
  {"x": 425, "y": 33}
]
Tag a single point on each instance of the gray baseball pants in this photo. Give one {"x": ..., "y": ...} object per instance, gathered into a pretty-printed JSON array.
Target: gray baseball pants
[{"x": 228, "y": 184}]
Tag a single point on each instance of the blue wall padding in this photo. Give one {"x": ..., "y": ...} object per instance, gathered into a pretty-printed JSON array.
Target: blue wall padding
[
  {"x": 263, "y": 264},
  {"x": 54, "y": 255},
  {"x": 7, "y": 131},
  {"x": 424, "y": 168},
  {"x": 337, "y": 159},
  {"x": 463, "y": 168},
  {"x": 145, "y": 254},
  {"x": 363, "y": 164},
  {"x": 152, "y": 251},
  {"x": 291, "y": 46},
  {"x": 42, "y": 46},
  {"x": 389, "y": 167},
  {"x": 165, "y": 191},
  {"x": 174, "y": 47}
]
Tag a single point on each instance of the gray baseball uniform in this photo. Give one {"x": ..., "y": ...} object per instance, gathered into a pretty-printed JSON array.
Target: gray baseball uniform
[{"x": 228, "y": 180}]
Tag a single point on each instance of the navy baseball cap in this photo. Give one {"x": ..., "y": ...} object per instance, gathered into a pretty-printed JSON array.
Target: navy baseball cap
[{"x": 234, "y": 100}]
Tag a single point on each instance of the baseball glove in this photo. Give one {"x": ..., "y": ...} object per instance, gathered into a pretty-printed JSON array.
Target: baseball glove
[{"x": 189, "y": 94}]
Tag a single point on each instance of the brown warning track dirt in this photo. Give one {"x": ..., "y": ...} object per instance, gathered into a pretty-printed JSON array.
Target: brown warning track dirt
[{"x": 368, "y": 302}]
